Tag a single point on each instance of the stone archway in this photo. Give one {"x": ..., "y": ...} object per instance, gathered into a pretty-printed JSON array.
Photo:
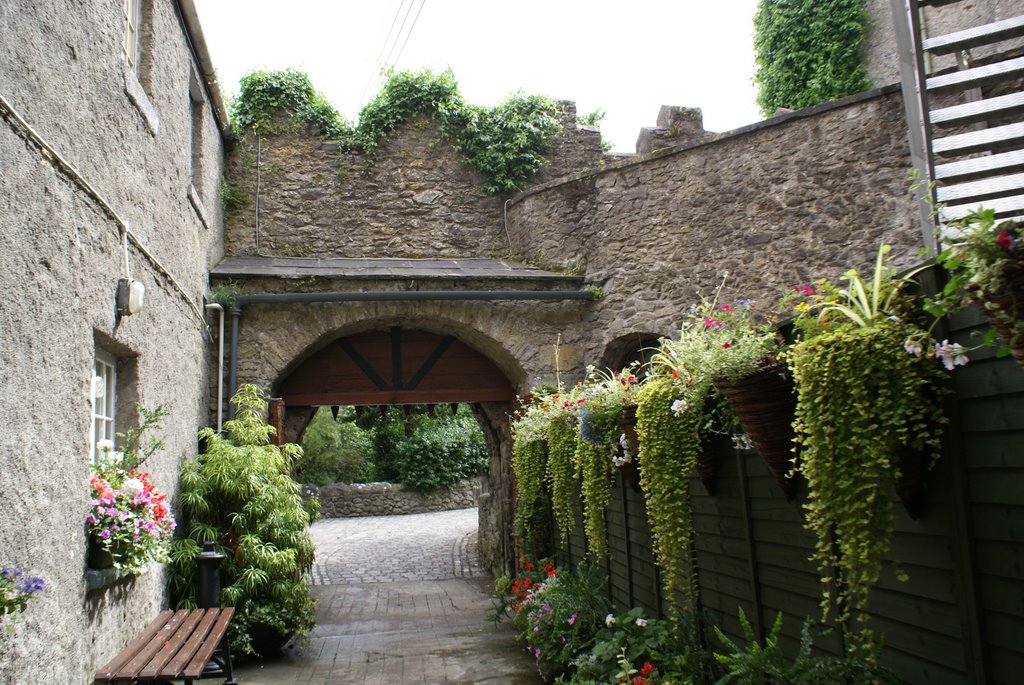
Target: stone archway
[{"x": 394, "y": 365}]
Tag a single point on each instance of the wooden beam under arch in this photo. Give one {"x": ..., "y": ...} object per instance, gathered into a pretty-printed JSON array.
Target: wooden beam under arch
[{"x": 396, "y": 366}]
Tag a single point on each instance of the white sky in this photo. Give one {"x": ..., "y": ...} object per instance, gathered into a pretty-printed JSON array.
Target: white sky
[{"x": 626, "y": 57}]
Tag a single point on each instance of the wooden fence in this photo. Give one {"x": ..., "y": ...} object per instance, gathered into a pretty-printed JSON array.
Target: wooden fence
[{"x": 960, "y": 616}]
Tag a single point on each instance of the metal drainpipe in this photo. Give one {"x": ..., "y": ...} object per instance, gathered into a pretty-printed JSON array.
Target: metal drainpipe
[
  {"x": 236, "y": 315},
  {"x": 379, "y": 296}
]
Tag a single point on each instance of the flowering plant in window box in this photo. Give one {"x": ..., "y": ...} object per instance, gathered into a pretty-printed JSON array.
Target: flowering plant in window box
[{"x": 130, "y": 524}]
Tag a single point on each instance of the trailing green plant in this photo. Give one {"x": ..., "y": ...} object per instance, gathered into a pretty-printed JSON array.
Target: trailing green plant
[
  {"x": 529, "y": 466},
  {"x": 262, "y": 94},
  {"x": 867, "y": 397},
  {"x": 604, "y": 396},
  {"x": 669, "y": 417},
  {"x": 505, "y": 143},
  {"x": 225, "y": 293},
  {"x": 239, "y": 495},
  {"x": 808, "y": 52},
  {"x": 562, "y": 474},
  {"x": 765, "y": 664}
]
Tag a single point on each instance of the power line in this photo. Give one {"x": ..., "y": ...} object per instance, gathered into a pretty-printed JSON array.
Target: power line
[
  {"x": 407, "y": 35},
  {"x": 387, "y": 60},
  {"x": 373, "y": 77}
]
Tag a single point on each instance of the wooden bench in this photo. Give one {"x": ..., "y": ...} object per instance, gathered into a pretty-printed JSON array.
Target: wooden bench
[{"x": 176, "y": 645}]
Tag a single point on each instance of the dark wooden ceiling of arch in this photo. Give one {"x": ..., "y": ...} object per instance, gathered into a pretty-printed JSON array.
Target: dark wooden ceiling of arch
[{"x": 396, "y": 366}]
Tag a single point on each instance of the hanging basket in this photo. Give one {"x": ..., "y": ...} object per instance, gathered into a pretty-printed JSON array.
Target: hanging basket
[
  {"x": 1004, "y": 308},
  {"x": 98, "y": 556},
  {"x": 765, "y": 403},
  {"x": 631, "y": 469}
]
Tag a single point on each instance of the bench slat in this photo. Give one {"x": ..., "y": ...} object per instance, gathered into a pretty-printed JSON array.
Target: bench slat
[
  {"x": 107, "y": 671},
  {"x": 180, "y": 624},
  {"x": 170, "y": 647},
  {"x": 188, "y": 649},
  {"x": 195, "y": 667}
]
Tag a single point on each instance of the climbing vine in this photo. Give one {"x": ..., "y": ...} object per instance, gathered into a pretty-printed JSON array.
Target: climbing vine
[
  {"x": 669, "y": 415},
  {"x": 505, "y": 143},
  {"x": 808, "y": 52}
]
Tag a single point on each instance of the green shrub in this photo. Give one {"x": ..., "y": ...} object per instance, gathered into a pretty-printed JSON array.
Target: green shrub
[
  {"x": 440, "y": 453},
  {"x": 239, "y": 495},
  {"x": 262, "y": 93},
  {"x": 335, "y": 450},
  {"x": 808, "y": 52}
]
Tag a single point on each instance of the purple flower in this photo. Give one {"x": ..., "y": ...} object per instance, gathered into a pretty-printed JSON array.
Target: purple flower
[
  {"x": 572, "y": 619},
  {"x": 105, "y": 534},
  {"x": 29, "y": 585}
]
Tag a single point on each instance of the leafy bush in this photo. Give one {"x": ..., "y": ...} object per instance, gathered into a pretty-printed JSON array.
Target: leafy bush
[
  {"x": 335, "y": 450},
  {"x": 765, "y": 664},
  {"x": 239, "y": 495},
  {"x": 558, "y": 613},
  {"x": 262, "y": 93},
  {"x": 441, "y": 453},
  {"x": 808, "y": 52},
  {"x": 505, "y": 142}
]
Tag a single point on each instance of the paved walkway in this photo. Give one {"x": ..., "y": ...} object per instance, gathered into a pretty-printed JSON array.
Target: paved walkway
[{"x": 401, "y": 601}]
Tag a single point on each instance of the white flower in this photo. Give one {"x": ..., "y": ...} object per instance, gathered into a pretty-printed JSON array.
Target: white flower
[
  {"x": 132, "y": 487},
  {"x": 641, "y": 623},
  {"x": 913, "y": 347},
  {"x": 609, "y": 620},
  {"x": 742, "y": 442},
  {"x": 951, "y": 355},
  {"x": 622, "y": 460},
  {"x": 679, "y": 407}
]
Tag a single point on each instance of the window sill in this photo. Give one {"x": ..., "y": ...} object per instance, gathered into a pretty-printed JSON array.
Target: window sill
[
  {"x": 102, "y": 578},
  {"x": 197, "y": 205},
  {"x": 137, "y": 94}
]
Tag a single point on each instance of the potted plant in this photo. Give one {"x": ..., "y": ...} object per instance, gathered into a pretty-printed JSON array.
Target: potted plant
[
  {"x": 868, "y": 395},
  {"x": 985, "y": 259},
  {"x": 239, "y": 494},
  {"x": 129, "y": 524}
]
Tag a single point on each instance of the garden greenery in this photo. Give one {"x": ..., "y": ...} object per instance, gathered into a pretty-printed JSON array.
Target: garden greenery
[
  {"x": 868, "y": 397},
  {"x": 669, "y": 416},
  {"x": 239, "y": 495},
  {"x": 808, "y": 52},
  {"x": 505, "y": 143}
]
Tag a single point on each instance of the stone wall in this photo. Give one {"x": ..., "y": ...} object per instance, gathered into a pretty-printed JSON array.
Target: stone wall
[
  {"x": 783, "y": 202},
  {"x": 60, "y": 258},
  {"x": 415, "y": 197},
  {"x": 341, "y": 500}
]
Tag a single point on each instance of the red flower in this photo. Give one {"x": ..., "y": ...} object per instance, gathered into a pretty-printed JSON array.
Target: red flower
[
  {"x": 552, "y": 573},
  {"x": 647, "y": 669},
  {"x": 675, "y": 374},
  {"x": 1005, "y": 241},
  {"x": 548, "y": 566},
  {"x": 726, "y": 308},
  {"x": 527, "y": 567},
  {"x": 639, "y": 681},
  {"x": 727, "y": 344}
]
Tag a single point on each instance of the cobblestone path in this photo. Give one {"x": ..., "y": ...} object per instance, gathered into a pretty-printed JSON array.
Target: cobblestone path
[{"x": 401, "y": 601}]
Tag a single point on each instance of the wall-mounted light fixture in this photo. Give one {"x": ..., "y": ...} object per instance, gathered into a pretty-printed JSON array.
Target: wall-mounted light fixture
[{"x": 131, "y": 296}]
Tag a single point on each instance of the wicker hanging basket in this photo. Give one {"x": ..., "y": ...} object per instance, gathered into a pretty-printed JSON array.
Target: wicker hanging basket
[
  {"x": 1005, "y": 308},
  {"x": 765, "y": 403}
]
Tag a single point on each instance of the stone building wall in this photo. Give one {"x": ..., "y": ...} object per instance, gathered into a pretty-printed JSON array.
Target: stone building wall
[{"x": 60, "y": 257}]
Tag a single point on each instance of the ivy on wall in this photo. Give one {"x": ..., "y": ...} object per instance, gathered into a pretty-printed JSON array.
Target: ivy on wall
[
  {"x": 505, "y": 142},
  {"x": 808, "y": 52}
]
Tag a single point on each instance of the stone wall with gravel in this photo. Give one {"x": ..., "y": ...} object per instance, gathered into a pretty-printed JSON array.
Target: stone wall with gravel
[{"x": 341, "y": 500}]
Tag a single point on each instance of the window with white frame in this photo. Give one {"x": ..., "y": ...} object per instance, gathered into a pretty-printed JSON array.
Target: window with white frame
[
  {"x": 132, "y": 19},
  {"x": 104, "y": 402}
]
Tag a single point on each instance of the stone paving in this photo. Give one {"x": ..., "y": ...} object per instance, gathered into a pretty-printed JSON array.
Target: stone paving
[{"x": 402, "y": 601}]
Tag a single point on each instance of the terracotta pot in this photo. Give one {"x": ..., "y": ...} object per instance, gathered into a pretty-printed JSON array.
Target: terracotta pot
[{"x": 765, "y": 403}]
